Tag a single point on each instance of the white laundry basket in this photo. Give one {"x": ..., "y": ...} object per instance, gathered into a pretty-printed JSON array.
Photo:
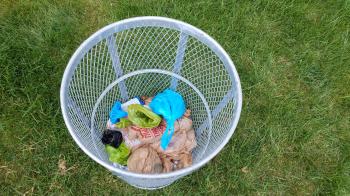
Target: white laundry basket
[{"x": 144, "y": 56}]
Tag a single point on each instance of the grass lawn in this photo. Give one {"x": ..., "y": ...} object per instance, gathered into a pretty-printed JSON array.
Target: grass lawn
[{"x": 293, "y": 58}]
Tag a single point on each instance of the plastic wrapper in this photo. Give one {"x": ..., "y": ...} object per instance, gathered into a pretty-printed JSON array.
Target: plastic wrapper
[
  {"x": 118, "y": 155},
  {"x": 143, "y": 117},
  {"x": 112, "y": 137},
  {"x": 171, "y": 106},
  {"x": 123, "y": 123},
  {"x": 116, "y": 113}
]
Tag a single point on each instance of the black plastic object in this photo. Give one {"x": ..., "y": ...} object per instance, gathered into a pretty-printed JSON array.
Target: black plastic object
[{"x": 112, "y": 137}]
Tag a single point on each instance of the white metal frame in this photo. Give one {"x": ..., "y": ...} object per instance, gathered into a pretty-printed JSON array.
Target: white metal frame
[{"x": 150, "y": 21}]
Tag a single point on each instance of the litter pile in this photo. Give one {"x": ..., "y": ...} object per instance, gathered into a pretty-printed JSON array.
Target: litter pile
[{"x": 151, "y": 134}]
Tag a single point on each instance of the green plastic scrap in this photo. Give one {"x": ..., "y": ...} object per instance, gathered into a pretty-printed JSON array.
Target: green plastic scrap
[
  {"x": 118, "y": 155},
  {"x": 123, "y": 123},
  {"x": 143, "y": 117}
]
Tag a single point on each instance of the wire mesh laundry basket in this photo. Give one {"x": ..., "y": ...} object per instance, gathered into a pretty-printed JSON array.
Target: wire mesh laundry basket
[{"x": 144, "y": 56}]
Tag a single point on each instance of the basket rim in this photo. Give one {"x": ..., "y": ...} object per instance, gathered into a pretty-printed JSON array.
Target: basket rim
[
  {"x": 150, "y": 21},
  {"x": 146, "y": 71}
]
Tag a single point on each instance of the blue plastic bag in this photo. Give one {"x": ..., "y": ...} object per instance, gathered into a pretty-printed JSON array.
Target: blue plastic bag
[
  {"x": 117, "y": 113},
  {"x": 171, "y": 106}
]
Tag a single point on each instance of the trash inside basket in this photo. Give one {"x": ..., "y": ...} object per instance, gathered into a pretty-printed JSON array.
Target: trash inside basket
[{"x": 144, "y": 56}]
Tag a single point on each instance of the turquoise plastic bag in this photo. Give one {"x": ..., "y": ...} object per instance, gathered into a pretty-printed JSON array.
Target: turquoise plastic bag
[
  {"x": 117, "y": 113},
  {"x": 171, "y": 106}
]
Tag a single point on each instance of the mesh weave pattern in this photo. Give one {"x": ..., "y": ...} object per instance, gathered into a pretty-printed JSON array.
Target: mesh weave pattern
[{"x": 150, "y": 47}]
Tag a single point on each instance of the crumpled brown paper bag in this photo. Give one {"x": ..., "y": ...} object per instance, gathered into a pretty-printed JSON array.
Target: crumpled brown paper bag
[{"x": 145, "y": 160}]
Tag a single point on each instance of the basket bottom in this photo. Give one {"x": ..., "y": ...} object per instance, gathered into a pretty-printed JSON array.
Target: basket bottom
[
  {"x": 147, "y": 184},
  {"x": 150, "y": 188}
]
